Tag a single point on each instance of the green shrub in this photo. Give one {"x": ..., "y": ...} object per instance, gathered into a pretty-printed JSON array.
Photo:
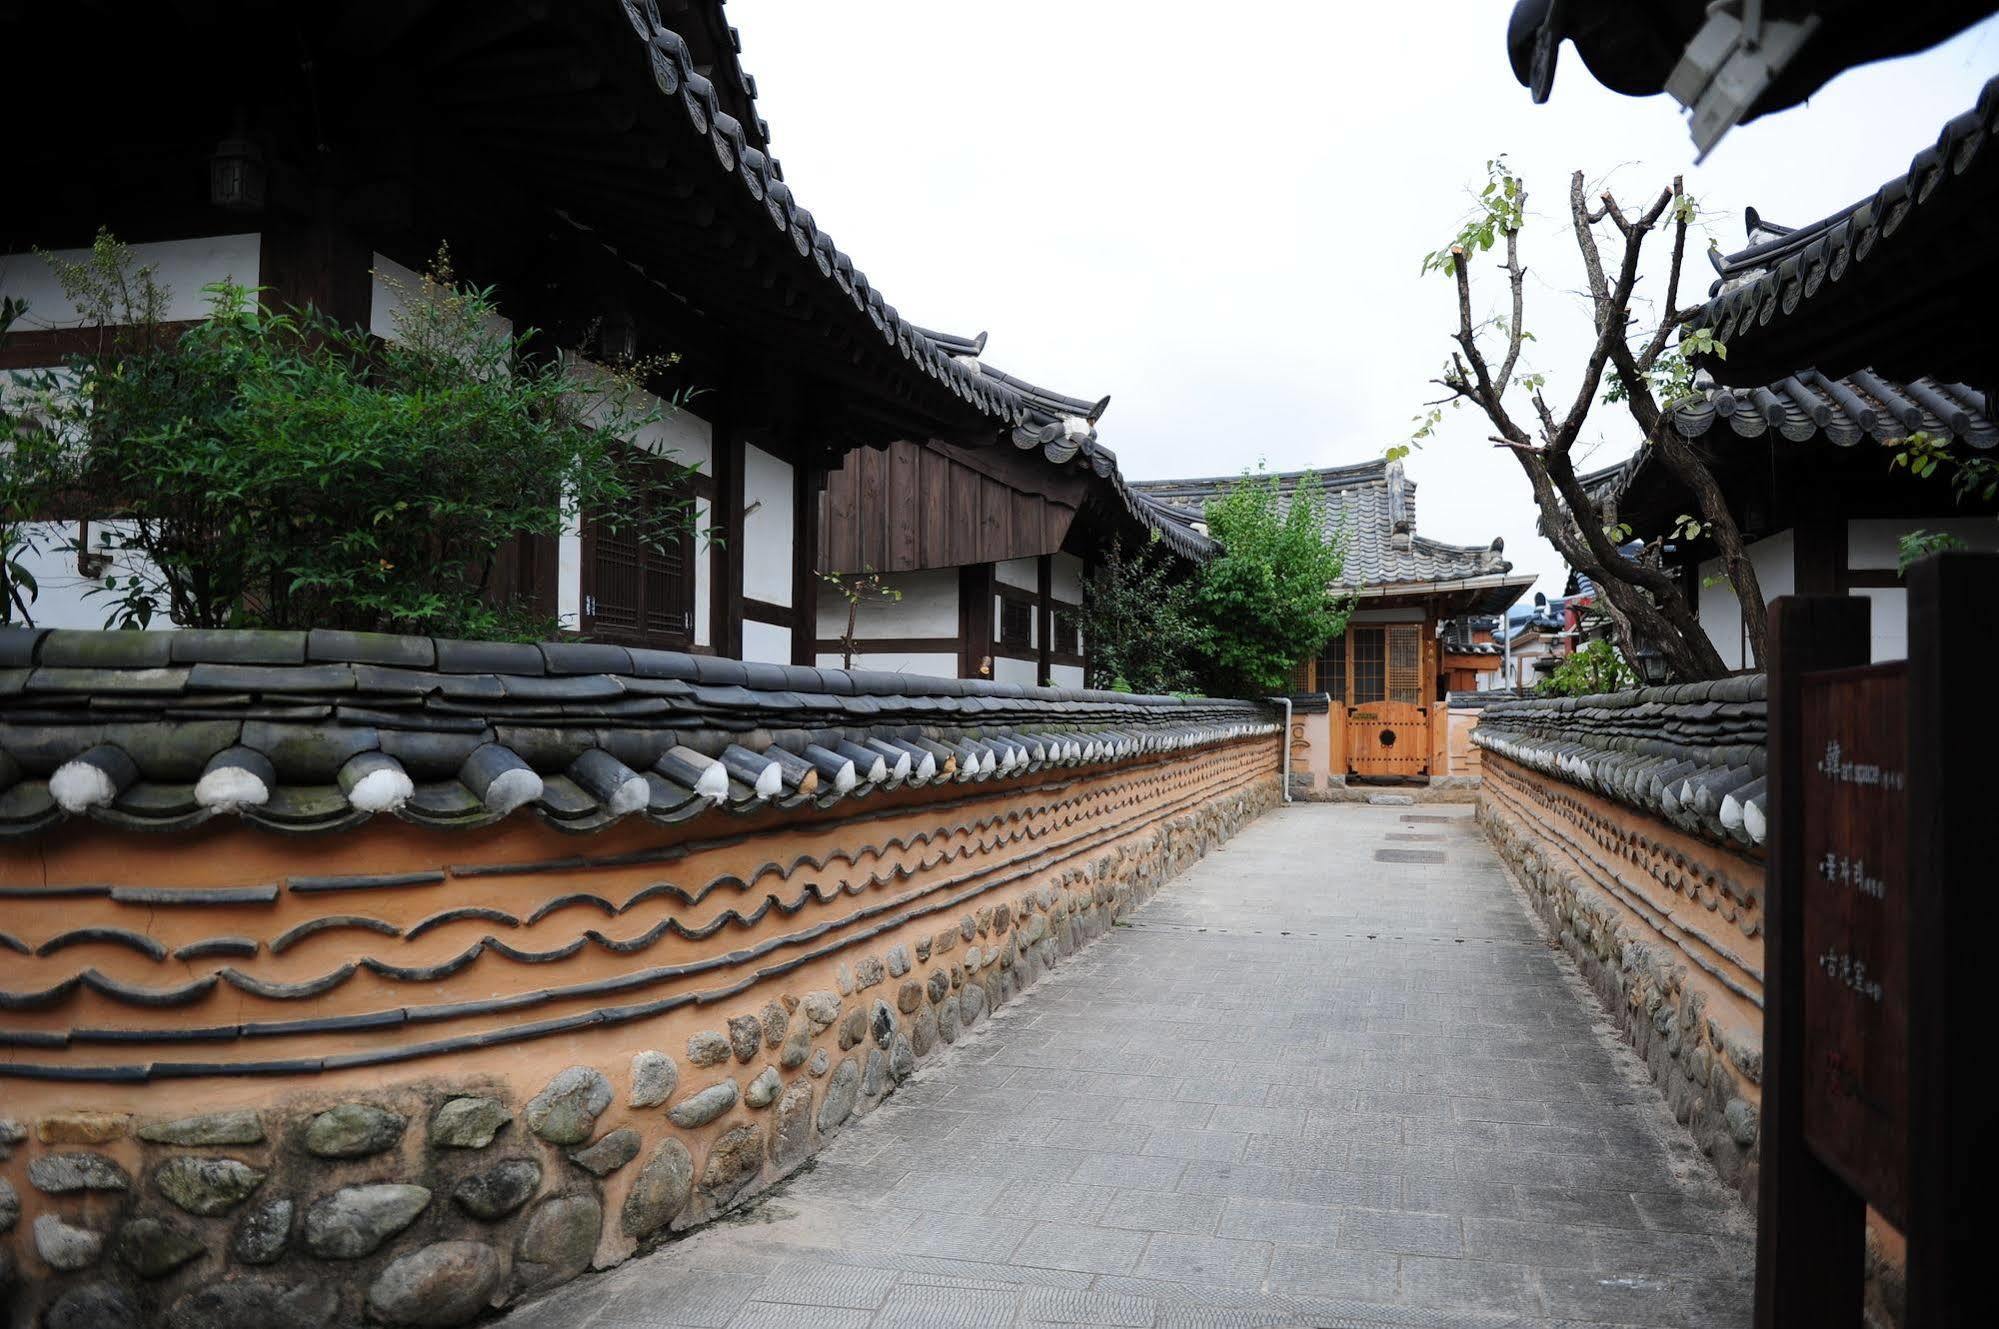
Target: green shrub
[
  {"x": 1596, "y": 667},
  {"x": 1267, "y": 600},
  {"x": 275, "y": 469}
]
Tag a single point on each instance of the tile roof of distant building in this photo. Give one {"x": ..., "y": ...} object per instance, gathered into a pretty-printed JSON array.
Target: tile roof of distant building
[{"x": 1374, "y": 505}]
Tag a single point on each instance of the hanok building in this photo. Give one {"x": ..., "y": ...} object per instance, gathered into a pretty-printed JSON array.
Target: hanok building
[
  {"x": 1385, "y": 678},
  {"x": 987, "y": 546},
  {"x": 1845, "y": 338},
  {"x": 602, "y": 166}
]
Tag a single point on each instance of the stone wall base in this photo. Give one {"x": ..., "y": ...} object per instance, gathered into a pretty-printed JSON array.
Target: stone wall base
[
  {"x": 437, "y": 1198},
  {"x": 1708, "y": 1076}
]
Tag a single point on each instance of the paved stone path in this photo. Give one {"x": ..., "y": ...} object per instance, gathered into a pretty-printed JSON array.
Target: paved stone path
[{"x": 1331, "y": 1076}]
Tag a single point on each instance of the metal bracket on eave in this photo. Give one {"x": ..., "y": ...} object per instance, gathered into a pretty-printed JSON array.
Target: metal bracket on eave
[{"x": 1729, "y": 64}]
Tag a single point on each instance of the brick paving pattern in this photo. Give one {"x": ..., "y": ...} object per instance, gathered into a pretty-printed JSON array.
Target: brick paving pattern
[{"x": 1313, "y": 1083}]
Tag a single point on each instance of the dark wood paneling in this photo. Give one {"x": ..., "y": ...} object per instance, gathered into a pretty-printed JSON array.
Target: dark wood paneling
[
  {"x": 1954, "y": 913},
  {"x": 763, "y": 611},
  {"x": 1809, "y": 1243},
  {"x": 1044, "y": 614},
  {"x": 918, "y": 506}
]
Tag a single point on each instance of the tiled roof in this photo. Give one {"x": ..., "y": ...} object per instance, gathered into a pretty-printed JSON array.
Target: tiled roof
[
  {"x": 1062, "y": 428},
  {"x": 1692, "y": 753},
  {"x": 1375, "y": 505},
  {"x": 316, "y": 731},
  {"x": 1870, "y": 284},
  {"x": 1862, "y": 407}
]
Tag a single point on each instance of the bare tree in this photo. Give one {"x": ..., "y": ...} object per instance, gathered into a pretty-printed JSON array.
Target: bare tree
[{"x": 1644, "y": 601}]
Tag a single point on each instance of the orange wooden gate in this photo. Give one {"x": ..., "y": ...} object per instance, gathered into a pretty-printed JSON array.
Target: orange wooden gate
[{"x": 1388, "y": 738}]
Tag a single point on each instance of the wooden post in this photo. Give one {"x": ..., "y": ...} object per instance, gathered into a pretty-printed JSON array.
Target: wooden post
[
  {"x": 1811, "y": 1229},
  {"x": 725, "y": 568},
  {"x": 1953, "y": 843},
  {"x": 1044, "y": 616}
]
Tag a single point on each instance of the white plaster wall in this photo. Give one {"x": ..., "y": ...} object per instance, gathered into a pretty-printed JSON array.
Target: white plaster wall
[
  {"x": 1775, "y": 560},
  {"x": 928, "y": 608},
  {"x": 1871, "y": 544},
  {"x": 768, "y": 530},
  {"x": 1022, "y": 572},
  {"x": 181, "y": 266},
  {"x": 1014, "y": 671},
  {"x": 766, "y": 642},
  {"x": 1065, "y": 578},
  {"x": 932, "y": 665},
  {"x": 1067, "y": 676},
  {"x": 63, "y": 598},
  {"x": 1888, "y": 622}
]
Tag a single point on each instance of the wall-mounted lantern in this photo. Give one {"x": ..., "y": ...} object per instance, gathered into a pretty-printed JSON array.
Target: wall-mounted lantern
[
  {"x": 1649, "y": 665},
  {"x": 236, "y": 173}
]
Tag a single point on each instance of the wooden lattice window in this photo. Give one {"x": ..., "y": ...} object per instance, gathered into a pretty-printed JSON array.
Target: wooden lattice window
[
  {"x": 1016, "y": 625},
  {"x": 1405, "y": 663},
  {"x": 635, "y": 590},
  {"x": 1333, "y": 669},
  {"x": 1370, "y": 662},
  {"x": 1068, "y": 638}
]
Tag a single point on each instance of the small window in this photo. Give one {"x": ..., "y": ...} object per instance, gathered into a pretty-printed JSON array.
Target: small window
[
  {"x": 1016, "y": 625},
  {"x": 1333, "y": 669},
  {"x": 1370, "y": 660},
  {"x": 1068, "y": 638}
]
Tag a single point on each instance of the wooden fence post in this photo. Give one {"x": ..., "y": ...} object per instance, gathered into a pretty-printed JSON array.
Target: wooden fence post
[
  {"x": 1811, "y": 1229},
  {"x": 1953, "y": 846}
]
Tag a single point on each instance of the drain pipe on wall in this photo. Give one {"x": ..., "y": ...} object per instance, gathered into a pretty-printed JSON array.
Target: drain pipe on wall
[{"x": 1285, "y": 702}]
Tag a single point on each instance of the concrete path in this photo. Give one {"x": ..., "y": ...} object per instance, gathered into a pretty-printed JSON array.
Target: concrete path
[{"x": 1331, "y": 1076}]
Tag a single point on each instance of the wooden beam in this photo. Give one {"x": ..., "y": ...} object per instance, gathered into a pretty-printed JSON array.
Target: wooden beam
[
  {"x": 725, "y": 567},
  {"x": 975, "y": 619},
  {"x": 1044, "y": 615}
]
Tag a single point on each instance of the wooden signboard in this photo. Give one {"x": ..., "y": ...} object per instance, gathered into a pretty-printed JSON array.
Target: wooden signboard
[
  {"x": 1854, "y": 838},
  {"x": 1879, "y": 909}
]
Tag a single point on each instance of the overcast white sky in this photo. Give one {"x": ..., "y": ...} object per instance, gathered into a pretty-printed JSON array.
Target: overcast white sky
[{"x": 1220, "y": 223}]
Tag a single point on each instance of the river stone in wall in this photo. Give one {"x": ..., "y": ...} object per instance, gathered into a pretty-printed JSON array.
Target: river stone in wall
[
  {"x": 354, "y": 1130},
  {"x": 556, "y": 1242},
  {"x": 153, "y": 1249},
  {"x": 239, "y": 1127},
  {"x": 10, "y": 1205},
  {"x": 499, "y": 1190},
  {"x": 354, "y": 1220},
  {"x": 653, "y": 1078},
  {"x": 840, "y": 1092},
  {"x": 702, "y": 1108},
  {"x": 60, "y": 1174},
  {"x": 791, "y": 1128},
  {"x": 92, "y": 1306},
  {"x": 566, "y": 1111},
  {"x": 249, "y": 1303},
  {"x": 468, "y": 1123},
  {"x": 733, "y": 1162},
  {"x": 206, "y": 1186},
  {"x": 660, "y": 1192},
  {"x": 65, "y": 1246},
  {"x": 445, "y": 1283},
  {"x": 608, "y": 1154},
  {"x": 264, "y": 1233}
]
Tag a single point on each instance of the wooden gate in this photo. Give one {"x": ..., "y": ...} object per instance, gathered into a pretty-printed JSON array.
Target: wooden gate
[{"x": 1388, "y": 738}]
